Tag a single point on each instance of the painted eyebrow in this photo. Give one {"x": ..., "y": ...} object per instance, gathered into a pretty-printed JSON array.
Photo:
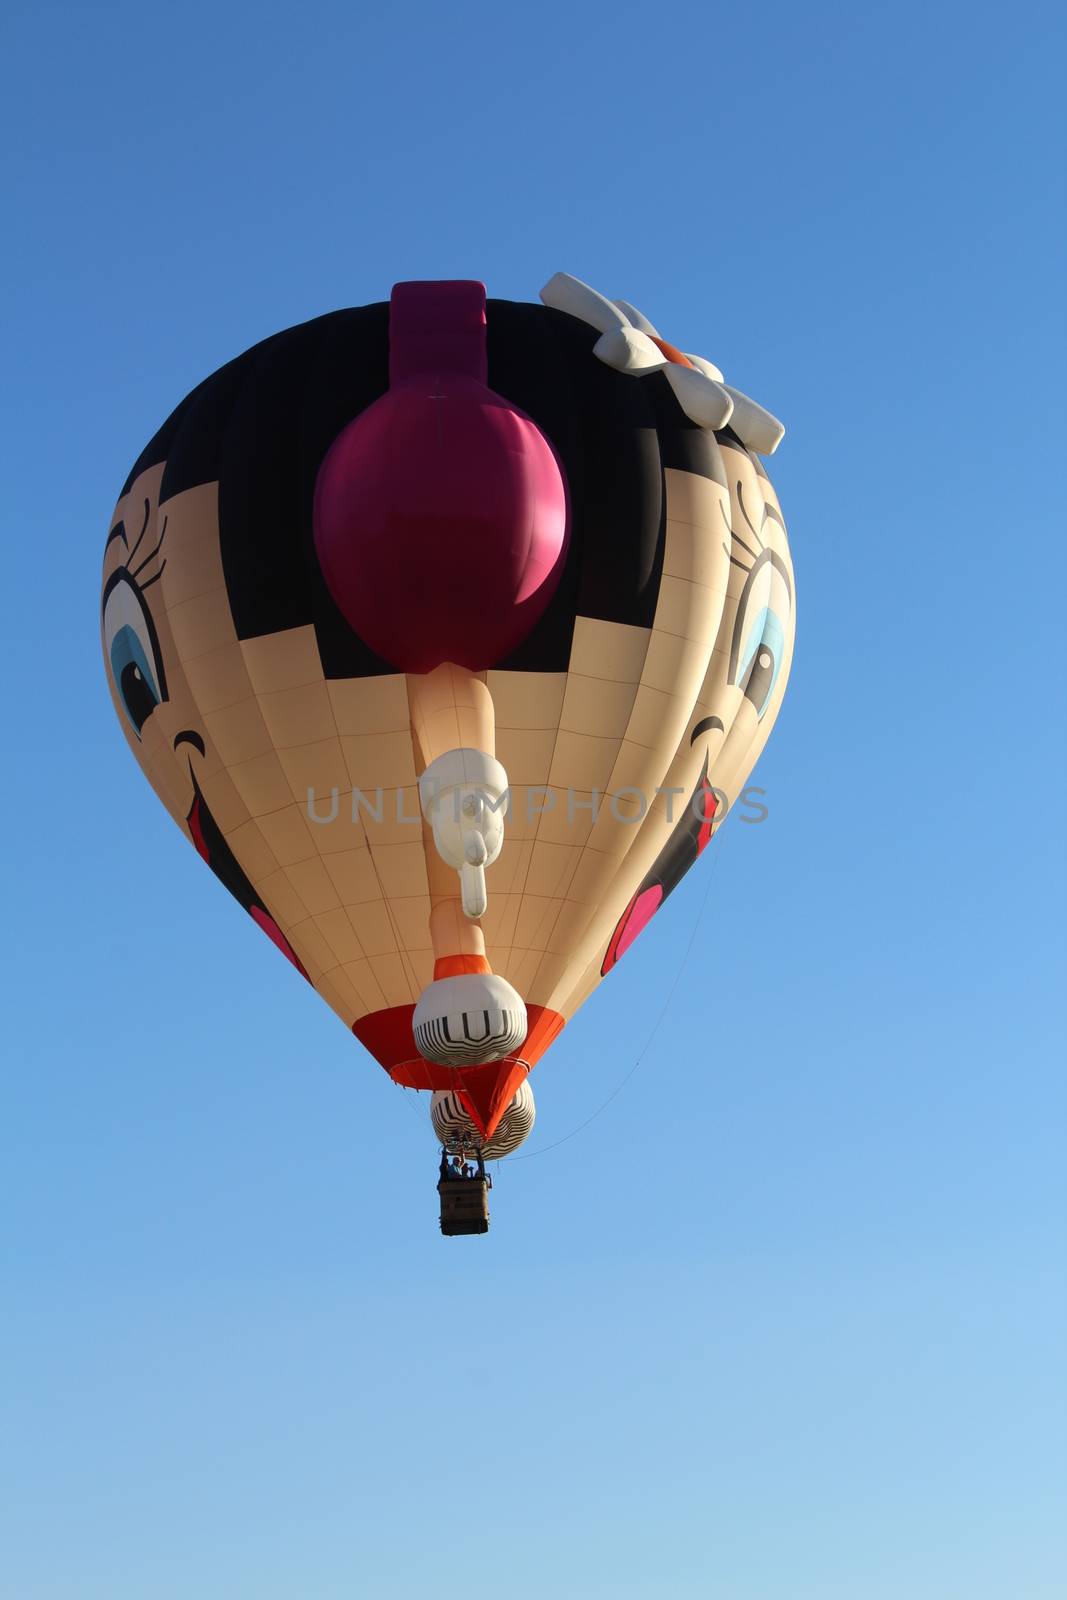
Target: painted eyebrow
[{"x": 117, "y": 532}]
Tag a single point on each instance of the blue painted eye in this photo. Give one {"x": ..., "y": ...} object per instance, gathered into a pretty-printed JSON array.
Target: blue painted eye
[
  {"x": 761, "y": 660},
  {"x": 133, "y": 676},
  {"x": 132, "y": 649}
]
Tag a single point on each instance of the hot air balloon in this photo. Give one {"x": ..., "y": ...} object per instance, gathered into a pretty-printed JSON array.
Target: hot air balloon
[{"x": 448, "y": 630}]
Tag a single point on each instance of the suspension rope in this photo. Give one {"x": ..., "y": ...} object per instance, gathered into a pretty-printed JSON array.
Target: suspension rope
[{"x": 530, "y": 1154}]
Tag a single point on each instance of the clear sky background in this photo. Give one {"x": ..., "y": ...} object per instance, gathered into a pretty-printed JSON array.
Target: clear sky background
[{"x": 786, "y": 1321}]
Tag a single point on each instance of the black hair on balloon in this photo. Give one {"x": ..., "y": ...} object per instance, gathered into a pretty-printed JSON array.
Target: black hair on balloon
[{"x": 261, "y": 426}]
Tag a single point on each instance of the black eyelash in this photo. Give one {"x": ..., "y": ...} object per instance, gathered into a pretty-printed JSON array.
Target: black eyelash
[
  {"x": 140, "y": 536},
  {"x": 133, "y": 571},
  {"x": 728, "y": 548},
  {"x": 748, "y": 519},
  {"x": 746, "y": 548},
  {"x": 153, "y": 579}
]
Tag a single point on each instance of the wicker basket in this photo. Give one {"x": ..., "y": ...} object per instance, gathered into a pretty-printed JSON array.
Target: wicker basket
[{"x": 464, "y": 1205}]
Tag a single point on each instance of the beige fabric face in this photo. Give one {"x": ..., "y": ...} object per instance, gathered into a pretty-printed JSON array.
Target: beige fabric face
[{"x": 290, "y": 765}]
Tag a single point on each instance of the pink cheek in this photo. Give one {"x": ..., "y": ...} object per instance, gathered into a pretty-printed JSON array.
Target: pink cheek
[
  {"x": 645, "y": 908},
  {"x": 640, "y": 914}
]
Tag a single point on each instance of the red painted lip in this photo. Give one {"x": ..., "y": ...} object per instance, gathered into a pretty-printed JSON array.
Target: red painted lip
[
  {"x": 211, "y": 846},
  {"x": 686, "y": 844},
  {"x": 193, "y": 823}
]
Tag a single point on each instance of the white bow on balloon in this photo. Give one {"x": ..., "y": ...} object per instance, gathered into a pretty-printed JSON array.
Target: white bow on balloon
[{"x": 630, "y": 344}]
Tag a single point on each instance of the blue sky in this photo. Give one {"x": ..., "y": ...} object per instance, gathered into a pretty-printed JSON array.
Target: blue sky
[{"x": 786, "y": 1321}]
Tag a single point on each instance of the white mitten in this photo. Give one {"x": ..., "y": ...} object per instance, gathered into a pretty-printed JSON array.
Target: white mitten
[
  {"x": 469, "y": 1020},
  {"x": 464, "y": 798}
]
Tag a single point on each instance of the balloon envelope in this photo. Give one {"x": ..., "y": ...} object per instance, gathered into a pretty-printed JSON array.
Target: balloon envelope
[{"x": 544, "y": 569}]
